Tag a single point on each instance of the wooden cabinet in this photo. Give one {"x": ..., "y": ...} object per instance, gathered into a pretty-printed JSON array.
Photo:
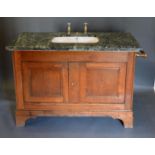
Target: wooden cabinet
[{"x": 70, "y": 83}]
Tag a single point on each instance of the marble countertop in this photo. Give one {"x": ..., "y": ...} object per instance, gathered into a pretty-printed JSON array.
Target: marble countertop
[{"x": 108, "y": 41}]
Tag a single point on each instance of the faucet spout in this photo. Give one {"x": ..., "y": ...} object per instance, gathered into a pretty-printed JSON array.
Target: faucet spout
[
  {"x": 85, "y": 28},
  {"x": 68, "y": 28}
]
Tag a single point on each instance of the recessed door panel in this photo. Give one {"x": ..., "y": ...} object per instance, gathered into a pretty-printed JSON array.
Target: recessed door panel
[
  {"x": 45, "y": 82},
  {"x": 102, "y": 82}
]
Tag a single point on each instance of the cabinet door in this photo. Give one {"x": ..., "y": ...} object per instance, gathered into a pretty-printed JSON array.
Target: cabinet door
[
  {"x": 102, "y": 82},
  {"x": 45, "y": 82}
]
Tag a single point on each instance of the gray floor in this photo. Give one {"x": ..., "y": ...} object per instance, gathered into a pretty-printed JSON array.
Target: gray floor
[{"x": 144, "y": 123}]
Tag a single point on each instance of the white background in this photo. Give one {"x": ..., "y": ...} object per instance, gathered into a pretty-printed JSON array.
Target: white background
[{"x": 78, "y": 8}]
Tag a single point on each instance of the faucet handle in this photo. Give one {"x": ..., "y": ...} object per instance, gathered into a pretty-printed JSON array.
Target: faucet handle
[
  {"x": 85, "y": 27},
  {"x": 68, "y": 28}
]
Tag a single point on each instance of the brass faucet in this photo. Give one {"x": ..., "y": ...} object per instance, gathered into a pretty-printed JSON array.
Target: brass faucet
[
  {"x": 85, "y": 28},
  {"x": 68, "y": 28}
]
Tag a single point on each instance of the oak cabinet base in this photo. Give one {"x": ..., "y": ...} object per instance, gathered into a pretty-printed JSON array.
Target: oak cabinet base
[
  {"x": 125, "y": 116},
  {"x": 69, "y": 83}
]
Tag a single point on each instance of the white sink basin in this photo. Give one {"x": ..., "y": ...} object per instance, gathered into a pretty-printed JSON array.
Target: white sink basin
[{"x": 75, "y": 39}]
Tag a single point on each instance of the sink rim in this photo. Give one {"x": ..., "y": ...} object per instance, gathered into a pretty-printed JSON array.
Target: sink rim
[{"x": 75, "y": 40}]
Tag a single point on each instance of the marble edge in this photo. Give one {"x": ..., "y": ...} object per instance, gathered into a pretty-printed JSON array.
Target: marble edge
[{"x": 11, "y": 49}]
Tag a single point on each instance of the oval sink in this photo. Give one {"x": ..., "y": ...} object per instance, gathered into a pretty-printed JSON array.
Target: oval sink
[{"x": 75, "y": 39}]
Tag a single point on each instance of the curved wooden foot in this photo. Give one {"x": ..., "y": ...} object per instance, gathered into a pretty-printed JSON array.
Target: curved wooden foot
[
  {"x": 127, "y": 120},
  {"x": 21, "y": 118},
  {"x": 20, "y": 121},
  {"x": 128, "y": 123}
]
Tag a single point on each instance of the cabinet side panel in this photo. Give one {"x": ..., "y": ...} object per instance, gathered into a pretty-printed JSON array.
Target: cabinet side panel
[
  {"x": 130, "y": 81},
  {"x": 16, "y": 57}
]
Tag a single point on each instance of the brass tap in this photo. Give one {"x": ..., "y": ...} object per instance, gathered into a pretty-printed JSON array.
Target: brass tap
[
  {"x": 85, "y": 28},
  {"x": 68, "y": 28}
]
